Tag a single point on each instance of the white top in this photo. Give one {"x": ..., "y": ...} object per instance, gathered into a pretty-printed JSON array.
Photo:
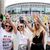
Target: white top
[
  {"x": 28, "y": 33},
  {"x": 22, "y": 38},
  {"x": 1, "y": 30},
  {"x": 6, "y": 41}
]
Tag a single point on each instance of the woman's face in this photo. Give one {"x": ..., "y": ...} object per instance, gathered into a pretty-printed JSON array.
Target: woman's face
[
  {"x": 37, "y": 25},
  {"x": 7, "y": 27},
  {"x": 20, "y": 27}
]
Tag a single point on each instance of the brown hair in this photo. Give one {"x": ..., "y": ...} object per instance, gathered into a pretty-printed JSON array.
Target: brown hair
[{"x": 11, "y": 27}]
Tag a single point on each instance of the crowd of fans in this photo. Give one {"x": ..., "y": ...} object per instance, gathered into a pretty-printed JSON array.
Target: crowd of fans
[{"x": 28, "y": 37}]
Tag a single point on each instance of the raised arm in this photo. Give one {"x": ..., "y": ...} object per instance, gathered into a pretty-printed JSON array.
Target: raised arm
[
  {"x": 29, "y": 26},
  {"x": 12, "y": 24},
  {"x": 43, "y": 40},
  {"x": 14, "y": 27},
  {"x": 36, "y": 18}
]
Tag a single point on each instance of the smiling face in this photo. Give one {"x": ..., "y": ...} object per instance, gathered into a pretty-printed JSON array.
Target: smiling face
[
  {"x": 7, "y": 27},
  {"x": 20, "y": 27}
]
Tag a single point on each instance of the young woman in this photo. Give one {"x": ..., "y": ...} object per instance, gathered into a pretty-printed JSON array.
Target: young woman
[
  {"x": 23, "y": 39},
  {"x": 38, "y": 35},
  {"x": 7, "y": 36}
]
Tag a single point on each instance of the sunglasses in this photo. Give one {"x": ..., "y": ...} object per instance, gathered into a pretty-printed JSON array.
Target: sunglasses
[
  {"x": 20, "y": 26},
  {"x": 7, "y": 18},
  {"x": 7, "y": 26}
]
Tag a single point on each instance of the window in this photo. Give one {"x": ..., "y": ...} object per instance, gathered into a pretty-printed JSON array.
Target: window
[{"x": 9, "y": 11}]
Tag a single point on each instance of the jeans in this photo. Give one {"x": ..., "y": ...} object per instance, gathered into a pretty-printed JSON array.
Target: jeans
[{"x": 22, "y": 47}]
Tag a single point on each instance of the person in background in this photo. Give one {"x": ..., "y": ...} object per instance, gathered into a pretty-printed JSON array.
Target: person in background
[
  {"x": 49, "y": 26},
  {"x": 1, "y": 21},
  {"x": 48, "y": 38}
]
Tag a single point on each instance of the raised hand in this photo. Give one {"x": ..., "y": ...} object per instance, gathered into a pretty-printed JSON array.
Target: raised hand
[{"x": 36, "y": 17}]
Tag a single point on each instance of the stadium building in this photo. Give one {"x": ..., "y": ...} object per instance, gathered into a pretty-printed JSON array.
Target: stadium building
[{"x": 28, "y": 8}]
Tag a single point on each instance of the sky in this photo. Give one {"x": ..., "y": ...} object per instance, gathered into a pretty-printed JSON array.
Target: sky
[{"x": 9, "y": 2}]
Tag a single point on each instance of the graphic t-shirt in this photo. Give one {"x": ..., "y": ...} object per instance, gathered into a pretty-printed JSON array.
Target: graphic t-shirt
[{"x": 6, "y": 42}]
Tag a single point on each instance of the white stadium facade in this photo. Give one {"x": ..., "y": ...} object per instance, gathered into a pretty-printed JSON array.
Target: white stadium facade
[{"x": 28, "y": 8}]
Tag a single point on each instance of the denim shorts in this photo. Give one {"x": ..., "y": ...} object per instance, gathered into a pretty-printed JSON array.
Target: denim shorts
[{"x": 22, "y": 47}]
